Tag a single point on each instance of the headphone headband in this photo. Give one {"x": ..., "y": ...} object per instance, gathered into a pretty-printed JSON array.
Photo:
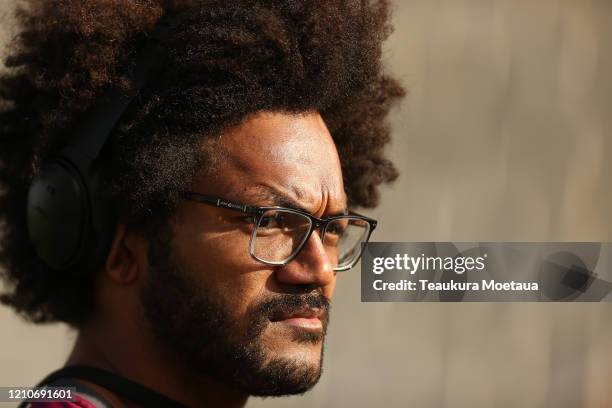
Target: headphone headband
[
  {"x": 69, "y": 219},
  {"x": 99, "y": 123}
]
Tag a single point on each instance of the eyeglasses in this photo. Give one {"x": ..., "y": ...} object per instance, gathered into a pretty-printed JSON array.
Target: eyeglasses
[{"x": 280, "y": 233}]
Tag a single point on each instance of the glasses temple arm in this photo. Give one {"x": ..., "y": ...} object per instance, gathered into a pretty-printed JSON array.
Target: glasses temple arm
[{"x": 218, "y": 202}]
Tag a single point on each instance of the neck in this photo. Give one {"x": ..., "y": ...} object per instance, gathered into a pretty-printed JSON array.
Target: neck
[{"x": 137, "y": 359}]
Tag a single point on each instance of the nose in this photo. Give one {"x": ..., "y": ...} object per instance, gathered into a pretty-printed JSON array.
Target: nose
[{"x": 311, "y": 266}]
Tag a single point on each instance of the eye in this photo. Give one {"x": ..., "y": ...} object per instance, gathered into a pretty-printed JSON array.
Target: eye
[
  {"x": 336, "y": 228},
  {"x": 265, "y": 221},
  {"x": 277, "y": 220}
]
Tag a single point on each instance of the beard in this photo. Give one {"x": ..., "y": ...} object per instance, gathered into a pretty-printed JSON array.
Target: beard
[{"x": 194, "y": 327}]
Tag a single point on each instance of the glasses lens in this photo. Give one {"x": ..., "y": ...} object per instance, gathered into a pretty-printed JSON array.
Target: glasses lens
[
  {"x": 343, "y": 238},
  {"x": 279, "y": 235}
]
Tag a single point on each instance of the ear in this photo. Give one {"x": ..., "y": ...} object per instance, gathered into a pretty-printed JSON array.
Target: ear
[{"x": 123, "y": 264}]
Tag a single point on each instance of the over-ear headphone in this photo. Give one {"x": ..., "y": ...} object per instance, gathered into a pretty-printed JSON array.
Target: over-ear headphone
[{"x": 69, "y": 219}]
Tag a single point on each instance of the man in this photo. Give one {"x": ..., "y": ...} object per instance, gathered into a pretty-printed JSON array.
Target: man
[{"x": 227, "y": 182}]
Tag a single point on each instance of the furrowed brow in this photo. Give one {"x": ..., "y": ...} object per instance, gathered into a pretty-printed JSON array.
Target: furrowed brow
[
  {"x": 277, "y": 198},
  {"x": 274, "y": 197}
]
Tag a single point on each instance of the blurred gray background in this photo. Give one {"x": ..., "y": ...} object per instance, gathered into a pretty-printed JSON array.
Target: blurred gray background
[{"x": 505, "y": 136}]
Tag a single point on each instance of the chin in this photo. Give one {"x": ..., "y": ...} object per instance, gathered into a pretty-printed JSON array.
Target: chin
[
  {"x": 286, "y": 376},
  {"x": 289, "y": 365},
  {"x": 303, "y": 355},
  {"x": 293, "y": 343}
]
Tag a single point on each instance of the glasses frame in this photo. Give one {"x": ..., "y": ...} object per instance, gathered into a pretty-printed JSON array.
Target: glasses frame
[{"x": 259, "y": 211}]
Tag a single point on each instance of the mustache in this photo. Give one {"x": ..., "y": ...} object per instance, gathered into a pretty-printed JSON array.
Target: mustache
[{"x": 289, "y": 303}]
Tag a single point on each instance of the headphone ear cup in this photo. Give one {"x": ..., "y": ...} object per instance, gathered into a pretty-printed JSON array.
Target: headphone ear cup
[
  {"x": 58, "y": 213},
  {"x": 69, "y": 219}
]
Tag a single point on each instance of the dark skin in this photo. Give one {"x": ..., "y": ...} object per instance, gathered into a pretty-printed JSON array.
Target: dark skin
[{"x": 269, "y": 155}]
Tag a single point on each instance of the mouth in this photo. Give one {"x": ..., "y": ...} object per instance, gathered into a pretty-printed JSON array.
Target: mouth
[{"x": 304, "y": 318}]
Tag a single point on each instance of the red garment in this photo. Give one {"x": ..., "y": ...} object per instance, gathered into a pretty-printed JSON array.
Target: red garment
[{"x": 77, "y": 402}]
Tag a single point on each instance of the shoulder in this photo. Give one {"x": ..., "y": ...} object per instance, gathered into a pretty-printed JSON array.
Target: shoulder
[
  {"x": 78, "y": 402},
  {"x": 85, "y": 396}
]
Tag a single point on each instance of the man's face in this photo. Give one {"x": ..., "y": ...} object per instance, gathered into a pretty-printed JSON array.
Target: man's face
[{"x": 255, "y": 327}]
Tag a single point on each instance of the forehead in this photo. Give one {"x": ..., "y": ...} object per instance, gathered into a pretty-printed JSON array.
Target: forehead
[{"x": 290, "y": 154}]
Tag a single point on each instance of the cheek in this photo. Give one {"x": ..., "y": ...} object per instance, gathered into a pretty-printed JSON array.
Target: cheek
[{"x": 221, "y": 263}]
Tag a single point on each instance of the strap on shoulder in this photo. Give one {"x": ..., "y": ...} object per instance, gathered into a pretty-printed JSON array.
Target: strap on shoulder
[{"x": 120, "y": 386}]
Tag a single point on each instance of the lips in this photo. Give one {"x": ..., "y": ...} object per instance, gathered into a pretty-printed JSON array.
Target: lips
[
  {"x": 303, "y": 318},
  {"x": 302, "y": 313}
]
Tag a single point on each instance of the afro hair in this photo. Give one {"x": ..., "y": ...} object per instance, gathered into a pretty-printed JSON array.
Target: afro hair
[{"x": 228, "y": 59}]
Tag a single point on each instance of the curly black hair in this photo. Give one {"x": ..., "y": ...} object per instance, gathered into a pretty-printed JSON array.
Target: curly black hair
[{"x": 228, "y": 59}]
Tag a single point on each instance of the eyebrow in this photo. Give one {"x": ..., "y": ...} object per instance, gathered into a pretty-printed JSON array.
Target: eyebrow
[{"x": 277, "y": 198}]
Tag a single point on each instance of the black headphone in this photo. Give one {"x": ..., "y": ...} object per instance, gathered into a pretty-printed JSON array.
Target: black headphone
[{"x": 69, "y": 218}]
